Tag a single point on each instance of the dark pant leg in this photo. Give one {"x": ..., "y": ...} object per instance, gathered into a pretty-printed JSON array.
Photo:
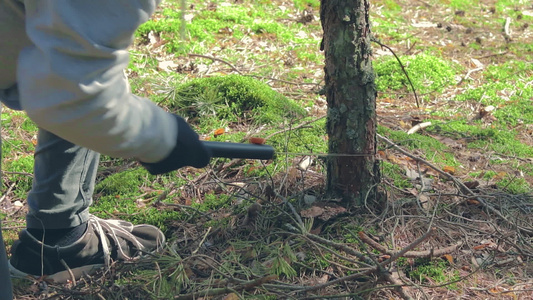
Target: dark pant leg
[
  {"x": 5, "y": 278},
  {"x": 63, "y": 183}
]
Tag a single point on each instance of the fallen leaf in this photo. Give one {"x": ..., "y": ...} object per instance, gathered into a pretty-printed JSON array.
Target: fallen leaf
[
  {"x": 412, "y": 174},
  {"x": 481, "y": 247},
  {"x": 312, "y": 212},
  {"x": 323, "y": 211},
  {"x": 219, "y": 131},
  {"x": 472, "y": 184},
  {"x": 383, "y": 257},
  {"x": 168, "y": 66},
  {"x": 332, "y": 211},
  {"x": 257, "y": 141},
  {"x": 425, "y": 201},
  {"x": 323, "y": 279},
  {"x": 231, "y": 296},
  {"x": 316, "y": 231},
  {"x": 477, "y": 63},
  {"x": 500, "y": 175},
  {"x": 305, "y": 163},
  {"x": 293, "y": 175},
  {"x": 496, "y": 290},
  {"x": 153, "y": 38},
  {"x": 449, "y": 258},
  {"x": 449, "y": 169},
  {"x": 472, "y": 202}
]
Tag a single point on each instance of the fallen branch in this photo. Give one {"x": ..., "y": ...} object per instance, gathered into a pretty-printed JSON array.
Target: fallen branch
[
  {"x": 226, "y": 290},
  {"x": 217, "y": 59},
  {"x": 283, "y": 81},
  {"x": 402, "y": 252},
  {"x": 409, "y": 254},
  {"x": 418, "y": 159},
  {"x": 506, "y": 30},
  {"x": 462, "y": 187},
  {"x": 338, "y": 246},
  {"x": 8, "y": 191},
  {"x": 468, "y": 74},
  {"x": 379, "y": 268},
  {"x": 398, "y": 285},
  {"x": 418, "y": 126}
]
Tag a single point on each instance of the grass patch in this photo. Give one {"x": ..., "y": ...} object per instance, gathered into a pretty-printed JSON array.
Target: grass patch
[
  {"x": 433, "y": 149},
  {"x": 303, "y": 4},
  {"x": 428, "y": 73},
  {"x": 493, "y": 138},
  {"x": 229, "y": 21}
]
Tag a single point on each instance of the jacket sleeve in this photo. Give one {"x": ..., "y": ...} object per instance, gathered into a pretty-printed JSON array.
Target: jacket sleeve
[{"x": 71, "y": 80}]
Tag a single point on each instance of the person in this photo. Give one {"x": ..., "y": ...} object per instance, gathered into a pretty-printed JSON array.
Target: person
[
  {"x": 63, "y": 62},
  {"x": 5, "y": 280}
]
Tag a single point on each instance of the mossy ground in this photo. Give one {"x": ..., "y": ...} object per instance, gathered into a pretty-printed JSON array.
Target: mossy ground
[
  {"x": 233, "y": 99},
  {"x": 255, "y": 69}
]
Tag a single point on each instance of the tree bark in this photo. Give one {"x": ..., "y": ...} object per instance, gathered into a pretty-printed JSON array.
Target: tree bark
[{"x": 351, "y": 96}]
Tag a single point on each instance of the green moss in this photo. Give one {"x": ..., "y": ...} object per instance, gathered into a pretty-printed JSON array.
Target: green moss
[
  {"x": 212, "y": 201},
  {"x": 116, "y": 197},
  {"x": 515, "y": 185},
  {"x": 395, "y": 174},
  {"x": 463, "y": 5},
  {"x": 428, "y": 73},
  {"x": 304, "y": 54},
  {"x": 391, "y": 5},
  {"x": 426, "y": 270},
  {"x": 508, "y": 90},
  {"x": 232, "y": 98},
  {"x": 123, "y": 183},
  {"x": 434, "y": 150},
  {"x": 303, "y": 4}
]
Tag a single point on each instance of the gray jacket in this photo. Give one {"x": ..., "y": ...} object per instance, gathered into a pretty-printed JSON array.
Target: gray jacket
[{"x": 62, "y": 61}]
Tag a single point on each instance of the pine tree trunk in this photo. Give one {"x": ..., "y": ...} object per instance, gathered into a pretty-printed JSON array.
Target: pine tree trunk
[{"x": 351, "y": 97}]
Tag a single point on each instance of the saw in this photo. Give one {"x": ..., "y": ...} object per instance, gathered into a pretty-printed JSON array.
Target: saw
[{"x": 260, "y": 151}]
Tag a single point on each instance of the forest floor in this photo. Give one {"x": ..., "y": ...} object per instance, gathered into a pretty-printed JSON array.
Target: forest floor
[{"x": 454, "y": 219}]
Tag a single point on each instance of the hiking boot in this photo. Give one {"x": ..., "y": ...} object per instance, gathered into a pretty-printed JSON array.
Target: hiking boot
[{"x": 103, "y": 242}]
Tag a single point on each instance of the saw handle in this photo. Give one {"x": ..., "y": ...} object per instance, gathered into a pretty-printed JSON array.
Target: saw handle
[{"x": 238, "y": 150}]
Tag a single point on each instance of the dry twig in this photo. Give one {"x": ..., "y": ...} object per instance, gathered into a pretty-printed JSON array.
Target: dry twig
[
  {"x": 225, "y": 290},
  {"x": 217, "y": 59},
  {"x": 403, "y": 69},
  {"x": 409, "y": 254},
  {"x": 462, "y": 187}
]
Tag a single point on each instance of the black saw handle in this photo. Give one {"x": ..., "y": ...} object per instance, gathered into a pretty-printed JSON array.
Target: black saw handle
[{"x": 238, "y": 150}]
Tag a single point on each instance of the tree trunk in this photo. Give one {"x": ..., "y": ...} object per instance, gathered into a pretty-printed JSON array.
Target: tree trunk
[{"x": 351, "y": 97}]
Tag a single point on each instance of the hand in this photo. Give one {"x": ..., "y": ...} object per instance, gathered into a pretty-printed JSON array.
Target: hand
[{"x": 189, "y": 151}]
